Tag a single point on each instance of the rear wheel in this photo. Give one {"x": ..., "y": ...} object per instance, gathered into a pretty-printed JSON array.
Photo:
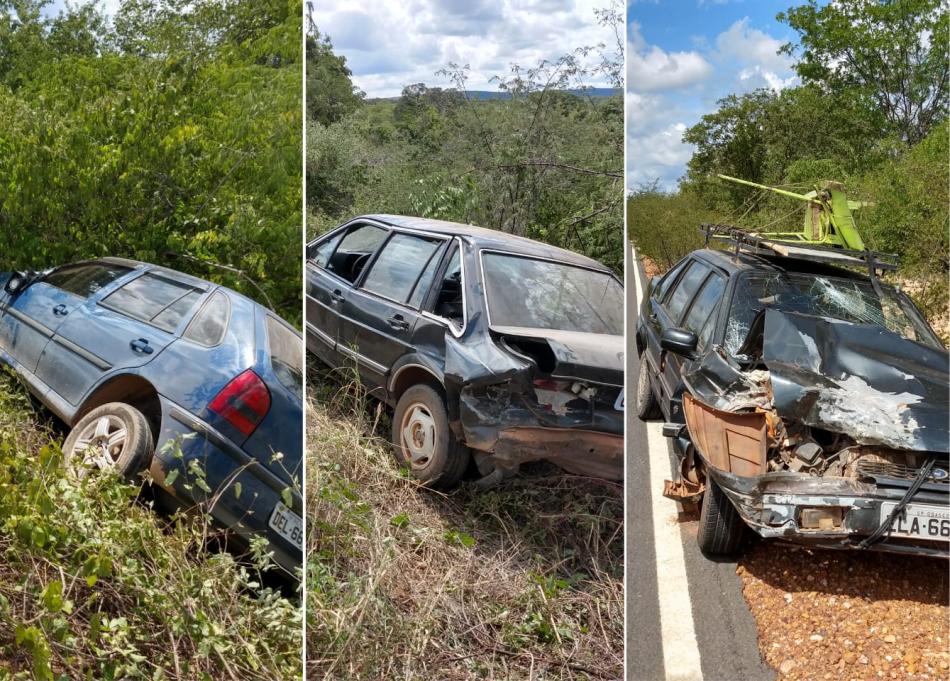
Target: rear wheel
[
  {"x": 720, "y": 528},
  {"x": 647, "y": 406},
  {"x": 423, "y": 440},
  {"x": 115, "y": 436}
]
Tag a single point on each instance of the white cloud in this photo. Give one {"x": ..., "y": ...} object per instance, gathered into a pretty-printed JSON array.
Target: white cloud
[
  {"x": 389, "y": 45},
  {"x": 750, "y": 45},
  {"x": 651, "y": 69}
]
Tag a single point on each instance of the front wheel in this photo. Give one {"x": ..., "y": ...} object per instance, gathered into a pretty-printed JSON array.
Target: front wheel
[
  {"x": 114, "y": 436},
  {"x": 720, "y": 528},
  {"x": 423, "y": 440},
  {"x": 647, "y": 406}
]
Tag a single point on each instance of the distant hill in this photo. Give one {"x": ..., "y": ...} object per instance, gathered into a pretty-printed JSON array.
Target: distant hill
[{"x": 494, "y": 94}]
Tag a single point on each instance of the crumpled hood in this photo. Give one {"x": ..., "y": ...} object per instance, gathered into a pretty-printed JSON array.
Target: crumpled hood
[
  {"x": 594, "y": 357},
  {"x": 858, "y": 379}
]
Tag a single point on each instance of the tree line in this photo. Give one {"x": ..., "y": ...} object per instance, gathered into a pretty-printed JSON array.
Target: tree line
[
  {"x": 545, "y": 161},
  {"x": 169, "y": 131}
]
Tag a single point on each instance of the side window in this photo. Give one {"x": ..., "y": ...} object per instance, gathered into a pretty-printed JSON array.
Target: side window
[
  {"x": 153, "y": 299},
  {"x": 355, "y": 250},
  {"x": 84, "y": 280},
  {"x": 400, "y": 265},
  {"x": 448, "y": 304},
  {"x": 699, "y": 319},
  {"x": 667, "y": 280},
  {"x": 286, "y": 354},
  {"x": 685, "y": 289},
  {"x": 320, "y": 255},
  {"x": 424, "y": 285},
  {"x": 210, "y": 324}
]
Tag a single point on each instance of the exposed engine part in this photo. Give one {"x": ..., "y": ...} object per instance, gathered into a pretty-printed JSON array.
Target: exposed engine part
[{"x": 806, "y": 457}]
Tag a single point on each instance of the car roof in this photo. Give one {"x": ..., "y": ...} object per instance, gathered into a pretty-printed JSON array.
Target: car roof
[
  {"x": 733, "y": 263},
  {"x": 485, "y": 238},
  {"x": 173, "y": 274}
]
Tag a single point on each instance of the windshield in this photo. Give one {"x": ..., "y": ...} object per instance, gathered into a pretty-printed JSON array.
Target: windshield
[
  {"x": 541, "y": 294},
  {"x": 849, "y": 300}
]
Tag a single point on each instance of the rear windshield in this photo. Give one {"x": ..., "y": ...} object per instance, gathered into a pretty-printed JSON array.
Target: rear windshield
[
  {"x": 850, "y": 300},
  {"x": 542, "y": 294},
  {"x": 286, "y": 355}
]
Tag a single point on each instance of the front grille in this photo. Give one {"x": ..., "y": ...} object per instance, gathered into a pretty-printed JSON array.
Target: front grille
[{"x": 884, "y": 469}]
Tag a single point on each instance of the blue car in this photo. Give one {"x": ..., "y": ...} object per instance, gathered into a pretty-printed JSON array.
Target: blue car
[{"x": 157, "y": 370}]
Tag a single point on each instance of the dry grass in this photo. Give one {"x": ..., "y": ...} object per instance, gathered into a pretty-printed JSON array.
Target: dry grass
[{"x": 523, "y": 581}]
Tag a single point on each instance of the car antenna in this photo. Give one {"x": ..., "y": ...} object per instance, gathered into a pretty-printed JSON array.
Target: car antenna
[{"x": 227, "y": 268}]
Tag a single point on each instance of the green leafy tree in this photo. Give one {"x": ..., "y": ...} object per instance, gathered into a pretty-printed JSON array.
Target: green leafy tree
[{"x": 893, "y": 53}]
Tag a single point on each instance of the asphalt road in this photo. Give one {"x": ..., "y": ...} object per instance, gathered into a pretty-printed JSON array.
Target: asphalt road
[{"x": 686, "y": 617}]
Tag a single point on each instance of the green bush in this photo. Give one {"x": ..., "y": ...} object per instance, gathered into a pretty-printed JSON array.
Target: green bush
[{"x": 94, "y": 584}]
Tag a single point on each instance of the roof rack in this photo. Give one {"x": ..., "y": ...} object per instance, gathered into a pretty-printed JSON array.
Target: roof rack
[{"x": 750, "y": 242}]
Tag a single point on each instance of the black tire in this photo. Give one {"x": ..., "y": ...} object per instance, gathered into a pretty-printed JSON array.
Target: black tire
[
  {"x": 647, "y": 406},
  {"x": 721, "y": 530},
  {"x": 439, "y": 463},
  {"x": 133, "y": 456}
]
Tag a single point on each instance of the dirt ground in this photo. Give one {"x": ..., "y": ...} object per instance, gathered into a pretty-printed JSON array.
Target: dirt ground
[{"x": 848, "y": 615}]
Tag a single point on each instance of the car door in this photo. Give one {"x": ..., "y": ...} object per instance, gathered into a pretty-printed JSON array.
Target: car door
[
  {"x": 122, "y": 329},
  {"x": 334, "y": 263},
  {"x": 380, "y": 315},
  {"x": 32, "y": 317},
  {"x": 667, "y": 314},
  {"x": 654, "y": 318}
]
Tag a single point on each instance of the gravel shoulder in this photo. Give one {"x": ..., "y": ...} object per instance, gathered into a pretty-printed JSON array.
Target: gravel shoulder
[{"x": 847, "y": 615}]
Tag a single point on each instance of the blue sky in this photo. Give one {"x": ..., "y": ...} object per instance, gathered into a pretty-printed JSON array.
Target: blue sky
[
  {"x": 394, "y": 43},
  {"x": 683, "y": 56}
]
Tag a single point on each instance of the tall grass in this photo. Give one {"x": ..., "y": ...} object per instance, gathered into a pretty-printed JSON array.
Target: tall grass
[
  {"x": 96, "y": 585},
  {"x": 522, "y": 581}
]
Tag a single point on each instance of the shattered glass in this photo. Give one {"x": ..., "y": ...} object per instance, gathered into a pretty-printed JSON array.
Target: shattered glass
[{"x": 849, "y": 300}]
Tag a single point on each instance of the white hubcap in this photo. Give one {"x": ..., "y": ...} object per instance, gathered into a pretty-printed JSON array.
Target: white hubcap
[
  {"x": 418, "y": 435},
  {"x": 101, "y": 443}
]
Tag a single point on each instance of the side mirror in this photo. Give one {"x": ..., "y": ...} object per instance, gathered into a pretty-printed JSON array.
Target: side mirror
[
  {"x": 679, "y": 342},
  {"x": 16, "y": 283}
]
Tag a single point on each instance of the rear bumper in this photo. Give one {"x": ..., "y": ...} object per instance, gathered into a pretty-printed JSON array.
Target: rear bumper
[
  {"x": 772, "y": 505},
  {"x": 227, "y": 468}
]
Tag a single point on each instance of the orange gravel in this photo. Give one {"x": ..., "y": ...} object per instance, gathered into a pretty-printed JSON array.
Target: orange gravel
[{"x": 848, "y": 615}]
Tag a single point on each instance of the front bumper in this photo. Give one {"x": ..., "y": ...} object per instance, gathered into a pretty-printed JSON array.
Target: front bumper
[
  {"x": 227, "y": 470},
  {"x": 772, "y": 505}
]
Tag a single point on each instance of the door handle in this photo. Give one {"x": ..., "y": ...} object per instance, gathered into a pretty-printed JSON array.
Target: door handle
[
  {"x": 336, "y": 297},
  {"x": 397, "y": 322},
  {"x": 141, "y": 345},
  {"x": 60, "y": 310}
]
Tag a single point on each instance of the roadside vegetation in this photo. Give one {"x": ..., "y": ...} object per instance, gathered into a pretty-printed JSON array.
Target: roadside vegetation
[
  {"x": 870, "y": 112},
  {"x": 169, "y": 131},
  {"x": 545, "y": 161},
  {"x": 94, "y": 584},
  {"x": 521, "y": 581}
]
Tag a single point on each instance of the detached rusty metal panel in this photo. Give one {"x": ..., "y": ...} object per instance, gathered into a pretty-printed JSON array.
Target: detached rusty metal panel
[{"x": 731, "y": 442}]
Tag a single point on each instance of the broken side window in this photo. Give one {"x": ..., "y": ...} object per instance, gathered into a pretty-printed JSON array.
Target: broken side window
[
  {"x": 355, "y": 250},
  {"x": 449, "y": 303},
  {"x": 400, "y": 265}
]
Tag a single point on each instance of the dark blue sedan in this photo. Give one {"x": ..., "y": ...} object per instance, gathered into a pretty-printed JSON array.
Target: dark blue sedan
[{"x": 157, "y": 370}]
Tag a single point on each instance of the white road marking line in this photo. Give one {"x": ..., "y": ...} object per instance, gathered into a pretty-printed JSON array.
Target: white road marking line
[{"x": 680, "y": 651}]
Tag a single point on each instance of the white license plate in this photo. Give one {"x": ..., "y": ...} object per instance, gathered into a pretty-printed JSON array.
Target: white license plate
[
  {"x": 921, "y": 521},
  {"x": 287, "y": 524},
  {"x": 618, "y": 404}
]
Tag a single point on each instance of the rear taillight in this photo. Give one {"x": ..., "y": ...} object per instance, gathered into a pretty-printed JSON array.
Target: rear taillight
[{"x": 244, "y": 402}]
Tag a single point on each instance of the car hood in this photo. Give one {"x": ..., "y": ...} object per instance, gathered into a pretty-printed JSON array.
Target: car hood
[
  {"x": 593, "y": 357},
  {"x": 858, "y": 379}
]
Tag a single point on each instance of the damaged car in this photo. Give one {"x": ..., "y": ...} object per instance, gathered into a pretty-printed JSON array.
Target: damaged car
[
  {"x": 155, "y": 370},
  {"x": 492, "y": 350},
  {"x": 805, "y": 400}
]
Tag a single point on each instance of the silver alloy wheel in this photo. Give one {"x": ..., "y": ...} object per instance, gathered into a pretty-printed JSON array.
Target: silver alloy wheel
[
  {"x": 100, "y": 443},
  {"x": 418, "y": 435}
]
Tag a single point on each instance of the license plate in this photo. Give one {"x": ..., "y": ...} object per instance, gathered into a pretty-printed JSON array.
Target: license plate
[
  {"x": 287, "y": 524},
  {"x": 921, "y": 521},
  {"x": 618, "y": 403}
]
